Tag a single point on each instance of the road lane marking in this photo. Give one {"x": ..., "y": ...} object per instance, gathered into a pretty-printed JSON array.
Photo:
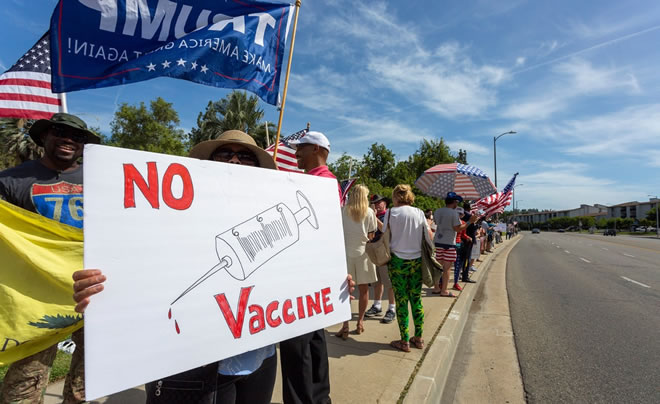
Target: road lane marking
[
  {"x": 567, "y": 252},
  {"x": 635, "y": 282},
  {"x": 603, "y": 248},
  {"x": 628, "y": 255},
  {"x": 585, "y": 260}
]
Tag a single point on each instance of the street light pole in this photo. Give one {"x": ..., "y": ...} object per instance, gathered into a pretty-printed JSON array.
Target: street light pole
[{"x": 495, "y": 151}]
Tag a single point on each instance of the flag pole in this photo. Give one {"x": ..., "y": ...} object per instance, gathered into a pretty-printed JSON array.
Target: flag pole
[
  {"x": 64, "y": 105},
  {"x": 286, "y": 81}
]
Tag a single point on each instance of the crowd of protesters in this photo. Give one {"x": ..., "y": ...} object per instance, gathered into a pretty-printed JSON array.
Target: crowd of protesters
[{"x": 458, "y": 237}]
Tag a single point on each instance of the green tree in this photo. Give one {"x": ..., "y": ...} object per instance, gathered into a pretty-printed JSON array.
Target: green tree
[
  {"x": 378, "y": 164},
  {"x": 651, "y": 215},
  {"x": 236, "y": 111},
  {"x": 153, "y": 129},
  {"x": 430, "y": 153},
  {"x": 17, "y": 146}
]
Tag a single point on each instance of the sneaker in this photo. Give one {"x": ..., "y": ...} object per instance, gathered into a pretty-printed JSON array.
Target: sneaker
[
  {"x": 373, "y": 311},
  {"x": 389, "y": 317},
  {"x": 473, "y": 269},
  {"x": 457, "y": 287}
]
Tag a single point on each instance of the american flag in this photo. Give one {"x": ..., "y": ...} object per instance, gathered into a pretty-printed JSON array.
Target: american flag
[
  {"x": 497, "y": 202},
  {"x": 25, "y": 87},
  {"x": 286, "y": 155},
  {"x": 344, "y": 187}
]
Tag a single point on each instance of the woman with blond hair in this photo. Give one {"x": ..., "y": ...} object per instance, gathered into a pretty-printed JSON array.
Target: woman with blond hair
[
  {"x": 359, "y": 227},
  {"x": 407, "y": 225}
]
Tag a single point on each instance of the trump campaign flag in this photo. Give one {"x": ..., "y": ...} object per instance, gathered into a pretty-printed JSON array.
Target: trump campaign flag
[
  {"x": 25, "y": 87},
  {"x": 228, "y": 44}
]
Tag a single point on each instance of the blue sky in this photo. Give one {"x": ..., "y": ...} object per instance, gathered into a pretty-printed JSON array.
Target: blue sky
[{"x": 578, "y": 81}]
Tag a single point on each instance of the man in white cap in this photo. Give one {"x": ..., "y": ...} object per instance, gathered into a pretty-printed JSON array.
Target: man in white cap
[
  {"x": 304, "y": 359},
  {"x": 312, "y": 151}
]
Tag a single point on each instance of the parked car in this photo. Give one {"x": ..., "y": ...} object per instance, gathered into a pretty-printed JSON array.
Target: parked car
[
  {"x": 609, "y": 232},
  {"x": 561, "y": 231},
  {"x": 640, "y": 229},
  {"x": 536, "y": 231}
]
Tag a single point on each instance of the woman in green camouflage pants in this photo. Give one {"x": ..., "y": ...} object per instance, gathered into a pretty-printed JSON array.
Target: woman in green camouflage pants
[{"x": 407, "y": 226}]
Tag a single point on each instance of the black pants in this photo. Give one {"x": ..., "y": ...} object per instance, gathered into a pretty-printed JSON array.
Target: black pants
[
  {"x": 204, "y": 385},
  {"x": 466, "y": 252},
  {"x": 255, "y": 388},
  {"x": 305, "y": 373}
]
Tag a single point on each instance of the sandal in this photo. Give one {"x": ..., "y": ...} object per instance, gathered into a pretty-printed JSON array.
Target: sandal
[
  {"x": 342, "y": 333},
  {"x": 359, "y": 329},
  {"x": 449, "y": 294},
  {"x": 418, "y": 342},
  {"x": 400, "y": 345}
]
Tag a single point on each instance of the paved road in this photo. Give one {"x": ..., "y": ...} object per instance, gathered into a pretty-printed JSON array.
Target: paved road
[{"x": 586, "y": 317}]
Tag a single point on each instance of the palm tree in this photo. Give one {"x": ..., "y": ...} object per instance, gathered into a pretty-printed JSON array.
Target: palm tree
[
  {"x": 17, "y": 146},
  {"x": 240, "y": 112},
  {"x": 235, "y": 111}
]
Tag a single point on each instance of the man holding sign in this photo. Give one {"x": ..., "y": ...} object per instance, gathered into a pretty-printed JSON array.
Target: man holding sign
[
  {"x": 52, "y": 187},
  {"x": 244, "y": 378}
]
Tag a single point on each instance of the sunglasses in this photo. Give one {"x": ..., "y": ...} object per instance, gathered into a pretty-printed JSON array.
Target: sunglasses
[
  {"x": 245, "y": 157},
  {"x": 61, "y": 132}
]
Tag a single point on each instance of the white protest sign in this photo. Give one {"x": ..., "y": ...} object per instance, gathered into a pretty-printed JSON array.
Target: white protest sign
[
  {"x": 204, "y": 261},
  {"x": 500, "y": 227}
]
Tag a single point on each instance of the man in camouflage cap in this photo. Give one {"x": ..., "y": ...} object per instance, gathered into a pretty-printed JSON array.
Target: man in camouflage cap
[{"x": 52, "y": 187}]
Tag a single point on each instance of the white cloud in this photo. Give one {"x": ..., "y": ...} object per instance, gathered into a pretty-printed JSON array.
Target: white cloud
[
  {"x": 447, "y": 82},
  {"x": 520, "y": 61},
  {"x": 439, "y": 77},
  {"x": 567, "y": 189},
  {"x": 387, "y": 131},
  {"x": 470, "y": 147},
  {"x": 633, "y": 130},
  {"x": 572, "y": 80}
]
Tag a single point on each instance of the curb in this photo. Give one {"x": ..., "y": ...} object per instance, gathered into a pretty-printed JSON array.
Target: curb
[{"x": 429, "y": 383}]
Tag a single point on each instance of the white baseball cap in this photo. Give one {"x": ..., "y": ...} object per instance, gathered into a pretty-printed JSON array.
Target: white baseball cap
[{"x": 312, "y": 137}]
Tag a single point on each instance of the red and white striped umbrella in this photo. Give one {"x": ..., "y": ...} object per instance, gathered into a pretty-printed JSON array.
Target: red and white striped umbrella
[{"x": 467, "y": 181}]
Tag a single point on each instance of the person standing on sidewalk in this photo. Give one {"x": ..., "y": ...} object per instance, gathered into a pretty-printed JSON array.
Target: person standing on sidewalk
[
  {"x": 359, "y": 224},
  {"x": 383, "y": 282},
  {"x": 51, "y": 187},
  {"x": 245, "y": 378},
  {"x": 304, "y": 359},
  {"x": 448, "y": 222},
  {"x": 409, "y": 228}
]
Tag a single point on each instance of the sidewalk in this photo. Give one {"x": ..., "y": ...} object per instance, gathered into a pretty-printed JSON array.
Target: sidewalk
[{"x": 365, "y": 369}]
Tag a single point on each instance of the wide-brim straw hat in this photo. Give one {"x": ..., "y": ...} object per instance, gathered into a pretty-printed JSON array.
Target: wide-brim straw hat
[
  {"x": 61, "y": 119},
  {"x": 205, "y": 149}
]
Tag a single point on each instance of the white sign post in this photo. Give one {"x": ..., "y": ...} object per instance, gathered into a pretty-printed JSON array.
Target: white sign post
[{"x": 204, "y": 261}]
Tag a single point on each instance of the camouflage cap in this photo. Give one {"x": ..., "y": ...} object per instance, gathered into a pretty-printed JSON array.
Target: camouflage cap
[{"x": 61, "y": 119}]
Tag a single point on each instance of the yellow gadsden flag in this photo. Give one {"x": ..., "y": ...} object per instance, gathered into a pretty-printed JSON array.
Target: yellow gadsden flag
[{"x": 37, "y": 258}]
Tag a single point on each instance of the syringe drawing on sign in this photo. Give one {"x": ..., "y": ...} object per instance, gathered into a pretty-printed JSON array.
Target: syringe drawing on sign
[{"x": 247, "y": 246}]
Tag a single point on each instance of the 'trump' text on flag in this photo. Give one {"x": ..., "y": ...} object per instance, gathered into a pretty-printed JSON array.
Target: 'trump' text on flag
[{"x": 228, "y": 44}]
